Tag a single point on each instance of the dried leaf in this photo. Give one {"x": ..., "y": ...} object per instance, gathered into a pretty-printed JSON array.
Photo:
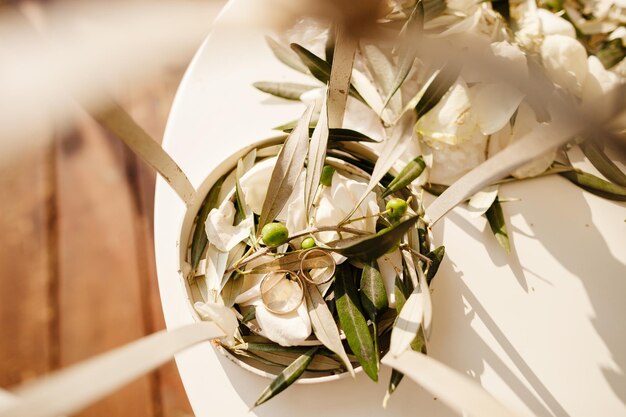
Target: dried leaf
[
  {"x": 353, "y": 323},
  {"x": 324, "y": 325},
  {"x": 596, "y": 185},
  {"x": 288, "y": 166},
  {"x": 286, "y": 56},
  {"x": 292, "y": 261},
  {"x": 603, "y": 163},
  {"x": 495, "y": 216},
  {"x": 287, "y": 377},
  {"x": 316, "y": 157},
  {"x": 373, "y": 246},
  {"x": 289, "y": 91},
  {"x": 410, "y": 172},
  {"x": 199, "y": 239}
]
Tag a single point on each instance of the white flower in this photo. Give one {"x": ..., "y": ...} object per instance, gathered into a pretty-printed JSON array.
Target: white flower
[
  {"x": 285, "y": 329},
  {"x": 222, "y": 316},
  {"x": 565, "y": 61},
  {"x": 599, "y": 81},
  {"x": 220, "y": 230},
  {"x": 456, "y": 129}
]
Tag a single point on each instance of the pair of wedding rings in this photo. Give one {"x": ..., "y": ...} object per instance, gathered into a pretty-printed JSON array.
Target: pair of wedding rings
[{"x": 282, "y": 291}]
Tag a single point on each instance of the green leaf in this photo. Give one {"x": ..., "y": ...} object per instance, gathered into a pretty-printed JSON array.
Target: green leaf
[
  {"x": 436, "y": 256},
  {"x": 595, "y": 185},
  {"x": 289, "y": 91},
  {"x": 410, "y": 172},
  {"x": 603, "y": 163},
  {"x": 409, "y": 34},
  {"x": 324, "y": 325},
  {"x": 437, "y": 88},
  {"x": 401, "y": 293},
  {"x": 352, "y": 321},
  {"x": 287, "y": 377},
  {"x": 288, "y": 166},
  {"x": 495, "y": 216},
  {"x": 286, "y": 56},
  {"x": 373, "y": 246},
  {"x": 316, "y": 157},
  {"x": 319, "y": 68},
  {"x": 373, "y": 293},
  {"x": 199, "y": 240}
]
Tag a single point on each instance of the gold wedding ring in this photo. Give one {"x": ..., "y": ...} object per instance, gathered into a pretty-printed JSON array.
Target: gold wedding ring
[
  {"x": 317, "y": 266},
  {"x": 281, "y": 291}
]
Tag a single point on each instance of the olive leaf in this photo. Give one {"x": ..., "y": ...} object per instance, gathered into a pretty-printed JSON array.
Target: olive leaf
[
  {"x": 408, "y": 36},
  {"x": 289, "y": 91},
  {"x": 595, "y": 185},
  {"x": 373, "y": 293},
  {"x": 324, "y": 325},
  {"x": 603, "y": 163},
  {"x": 495, "y": 216},
  {"x": 436, "y": 256},
  {"x": 417, "y": 345},
  {"x": 318, "y": 67},
  {"x": 375, "y": 245},
  {"x": 437, "y": 88},
  {"x": 199, "y": 239},
  {"x": 480, "y": 202},
  {"x": 393, "y": 148},
  {"x": 288, "y": 166},
  {"x": 292, "y": 261},
  {"x": 410, "y": 172},
  {"x": 408, "y": 323},
  {"x": 382, "y": 72},
  {"x": 329, "y": 48},
  {"x": 231, "y": 290},
  {"x": 435, "y": 189},
  {"x": 286, "y": 56},
  {"x": 287, "y": 377},
  {"x": 340, "y": 135},
  {"x": 353, "y": 322},
  {"x": 373, "y": 297},
  {"x": 316, "y": 157}
]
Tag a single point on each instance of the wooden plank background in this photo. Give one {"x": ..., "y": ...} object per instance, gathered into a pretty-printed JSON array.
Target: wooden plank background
[{"x": 77, "y": 268}]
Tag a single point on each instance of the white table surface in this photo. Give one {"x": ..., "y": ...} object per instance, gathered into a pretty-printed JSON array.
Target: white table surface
[{"x": 541, "y": 329}]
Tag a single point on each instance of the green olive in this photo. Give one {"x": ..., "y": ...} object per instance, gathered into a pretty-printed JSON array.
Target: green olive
[
  {"x": 274, "y": 234},
  {"x": 396, "y": 207},
  {"x": 327, "y": 175},
  {"x": 308, "y": 243}
]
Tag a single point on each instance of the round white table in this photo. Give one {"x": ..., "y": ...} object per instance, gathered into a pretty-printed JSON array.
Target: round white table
[{"x": 541, "y": 329}]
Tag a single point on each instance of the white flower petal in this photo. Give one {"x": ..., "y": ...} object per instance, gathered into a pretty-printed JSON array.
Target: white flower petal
[
  {"x": 220, "y": 230},
  {"x": 285, "y": 329},
  {"x": 494, "y": 104},
  {"x": 221, "y": 315},
  {"x": 598, "y": 81},
  {"x": 551, "y": 24},
  {"x": 565, "y": 60},
  {"x": 390, "y": 265}
]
